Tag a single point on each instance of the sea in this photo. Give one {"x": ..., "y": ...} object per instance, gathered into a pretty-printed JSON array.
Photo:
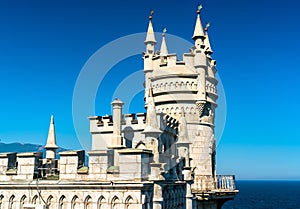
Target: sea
[{"x": 266, "y": 195}]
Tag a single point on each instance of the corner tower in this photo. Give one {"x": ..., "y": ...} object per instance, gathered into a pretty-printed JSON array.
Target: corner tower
[
  {"x": 187, "y": 87},
  {"x": 187, "y": 91}
]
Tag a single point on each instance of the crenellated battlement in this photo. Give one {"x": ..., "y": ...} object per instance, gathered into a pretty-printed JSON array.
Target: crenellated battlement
[
  {"x": 104, "y": 124},
  {"x": 20, "y": 166}
]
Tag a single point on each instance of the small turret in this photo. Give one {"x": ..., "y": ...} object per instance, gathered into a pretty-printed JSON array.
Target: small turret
[
  {"x": 151, "y": 120},
  {"x": 163, "y": 47},
  {"x": 152, "y": 130},
  {"x": 198, "y": 36},
  {"x": 208, "y": 49},
  {"x": 51, "y": 141},
  {"x": 117, "y": 127},
  {"x": 150, "y": 41}
]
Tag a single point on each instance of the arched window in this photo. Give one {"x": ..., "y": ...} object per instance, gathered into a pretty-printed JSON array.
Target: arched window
[
  {"x": 49, "y": 202},
  {"x": 101, "y": 203},
  {"x": 88, "y": 203},
  {"x": 1, "y": 201},
  {"x": 115, "y": 203},
  {"x": 34, "y": 199},
  {"x": 61, "y": 203},
  {"x": 11, "y": 204},
  {"x": 22, "y": 201},
  {"x": 75, "y": 202},
  {"x": 129, "y": 202}
]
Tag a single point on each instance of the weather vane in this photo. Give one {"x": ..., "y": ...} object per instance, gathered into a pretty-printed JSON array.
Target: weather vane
[
  {"x": 199, "y": 8},
  {"x": 207, "y": 26},
  {"x": 151, "y": 14},
  {"x": 164, "y": 30}
]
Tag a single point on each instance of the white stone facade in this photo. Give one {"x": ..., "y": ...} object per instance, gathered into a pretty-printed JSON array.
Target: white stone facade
[{"x": 162, "y": 159}]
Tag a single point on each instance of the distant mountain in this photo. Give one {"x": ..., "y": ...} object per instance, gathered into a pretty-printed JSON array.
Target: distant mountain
[{"x": 20, "y": 147}]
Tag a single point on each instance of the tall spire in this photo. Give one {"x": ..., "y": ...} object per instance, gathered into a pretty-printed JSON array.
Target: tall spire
[
  {"x": 198, "y": 36},
  {"x": 51, "y": 140},
  {"x": 150, "y": 38},
  {"x": 198, "y": 32},
  {"x": 151, "y": 120},
  {"x": 208, "y": 49},
  {"x": 163, "y": 47}
]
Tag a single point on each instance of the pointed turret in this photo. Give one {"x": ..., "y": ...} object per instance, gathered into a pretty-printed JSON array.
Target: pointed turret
[
  {"x": 198, "y": 36},
  {"x": 208, "y": 49},
  {"x": 163, "y": 47},
  {"x": 51, "y": 141},
  {"x": 150, "y": 41},
  {"x": 151, "y": 120},
  {"x": 152, "y": 130}
]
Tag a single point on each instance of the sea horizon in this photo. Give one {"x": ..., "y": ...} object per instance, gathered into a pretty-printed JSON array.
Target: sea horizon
[{"x": 266, "y": 194}]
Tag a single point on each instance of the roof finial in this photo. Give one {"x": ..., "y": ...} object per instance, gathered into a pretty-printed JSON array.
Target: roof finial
[
  {"x": 52, "y": 119},
  {"x": 199, "y": 8},
  {"x": 151, "y": 14},
  {"x": 207, "y": 26},
  {"x": 164, "y": 31}
]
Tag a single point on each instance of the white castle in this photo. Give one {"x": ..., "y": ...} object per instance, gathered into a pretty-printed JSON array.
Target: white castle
[{"x": 162, "y": 159}]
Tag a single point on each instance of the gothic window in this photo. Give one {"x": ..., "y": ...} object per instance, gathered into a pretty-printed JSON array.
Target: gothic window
[
  {"x": 49, "y": 202},
  {"x": 34, "y": 199},
  {"x": 129, "y": 203},
  {"x": 101, "y": 204},
  {"x": 11, "y": 204},
  {"x": 115, "y": 203},
  {"x": 75, "y": 202},
  {"x": 88, "y": 203},
  {"x": 61, "y": 203},
  {"x": 22, "y": 201}
]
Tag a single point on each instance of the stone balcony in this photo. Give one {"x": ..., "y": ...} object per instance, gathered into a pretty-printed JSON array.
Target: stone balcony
[
  {"x": 225, "y": 182},
  {"x": 220, "y": 187},
  {"x": 218, "y": 183}
]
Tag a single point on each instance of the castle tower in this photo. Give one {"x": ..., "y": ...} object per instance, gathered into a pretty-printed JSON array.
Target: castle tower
[
  {"x": 187, "y": 88},
  {"x": 150, "y": 43},
  {"x": 51, "y": 146}
]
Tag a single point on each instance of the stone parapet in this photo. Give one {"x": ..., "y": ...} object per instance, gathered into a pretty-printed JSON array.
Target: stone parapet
[
  {"x": 8, "y": 165},
  {"x": 70, "y": 163},
  {"x": 98, "y": 164},
  {"x": 134, "y": 164},
  {"x": 104, "y": 124},
  {"x": 28, "y": 165}
]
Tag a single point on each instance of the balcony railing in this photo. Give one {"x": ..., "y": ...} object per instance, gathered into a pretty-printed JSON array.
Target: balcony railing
[
  {"x": 225, "y": 182},
  {"x": 209, "y": 183}
]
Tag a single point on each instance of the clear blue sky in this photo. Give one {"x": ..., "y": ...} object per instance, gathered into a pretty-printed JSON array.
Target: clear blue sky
[{"x": 45, "y": 44}]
